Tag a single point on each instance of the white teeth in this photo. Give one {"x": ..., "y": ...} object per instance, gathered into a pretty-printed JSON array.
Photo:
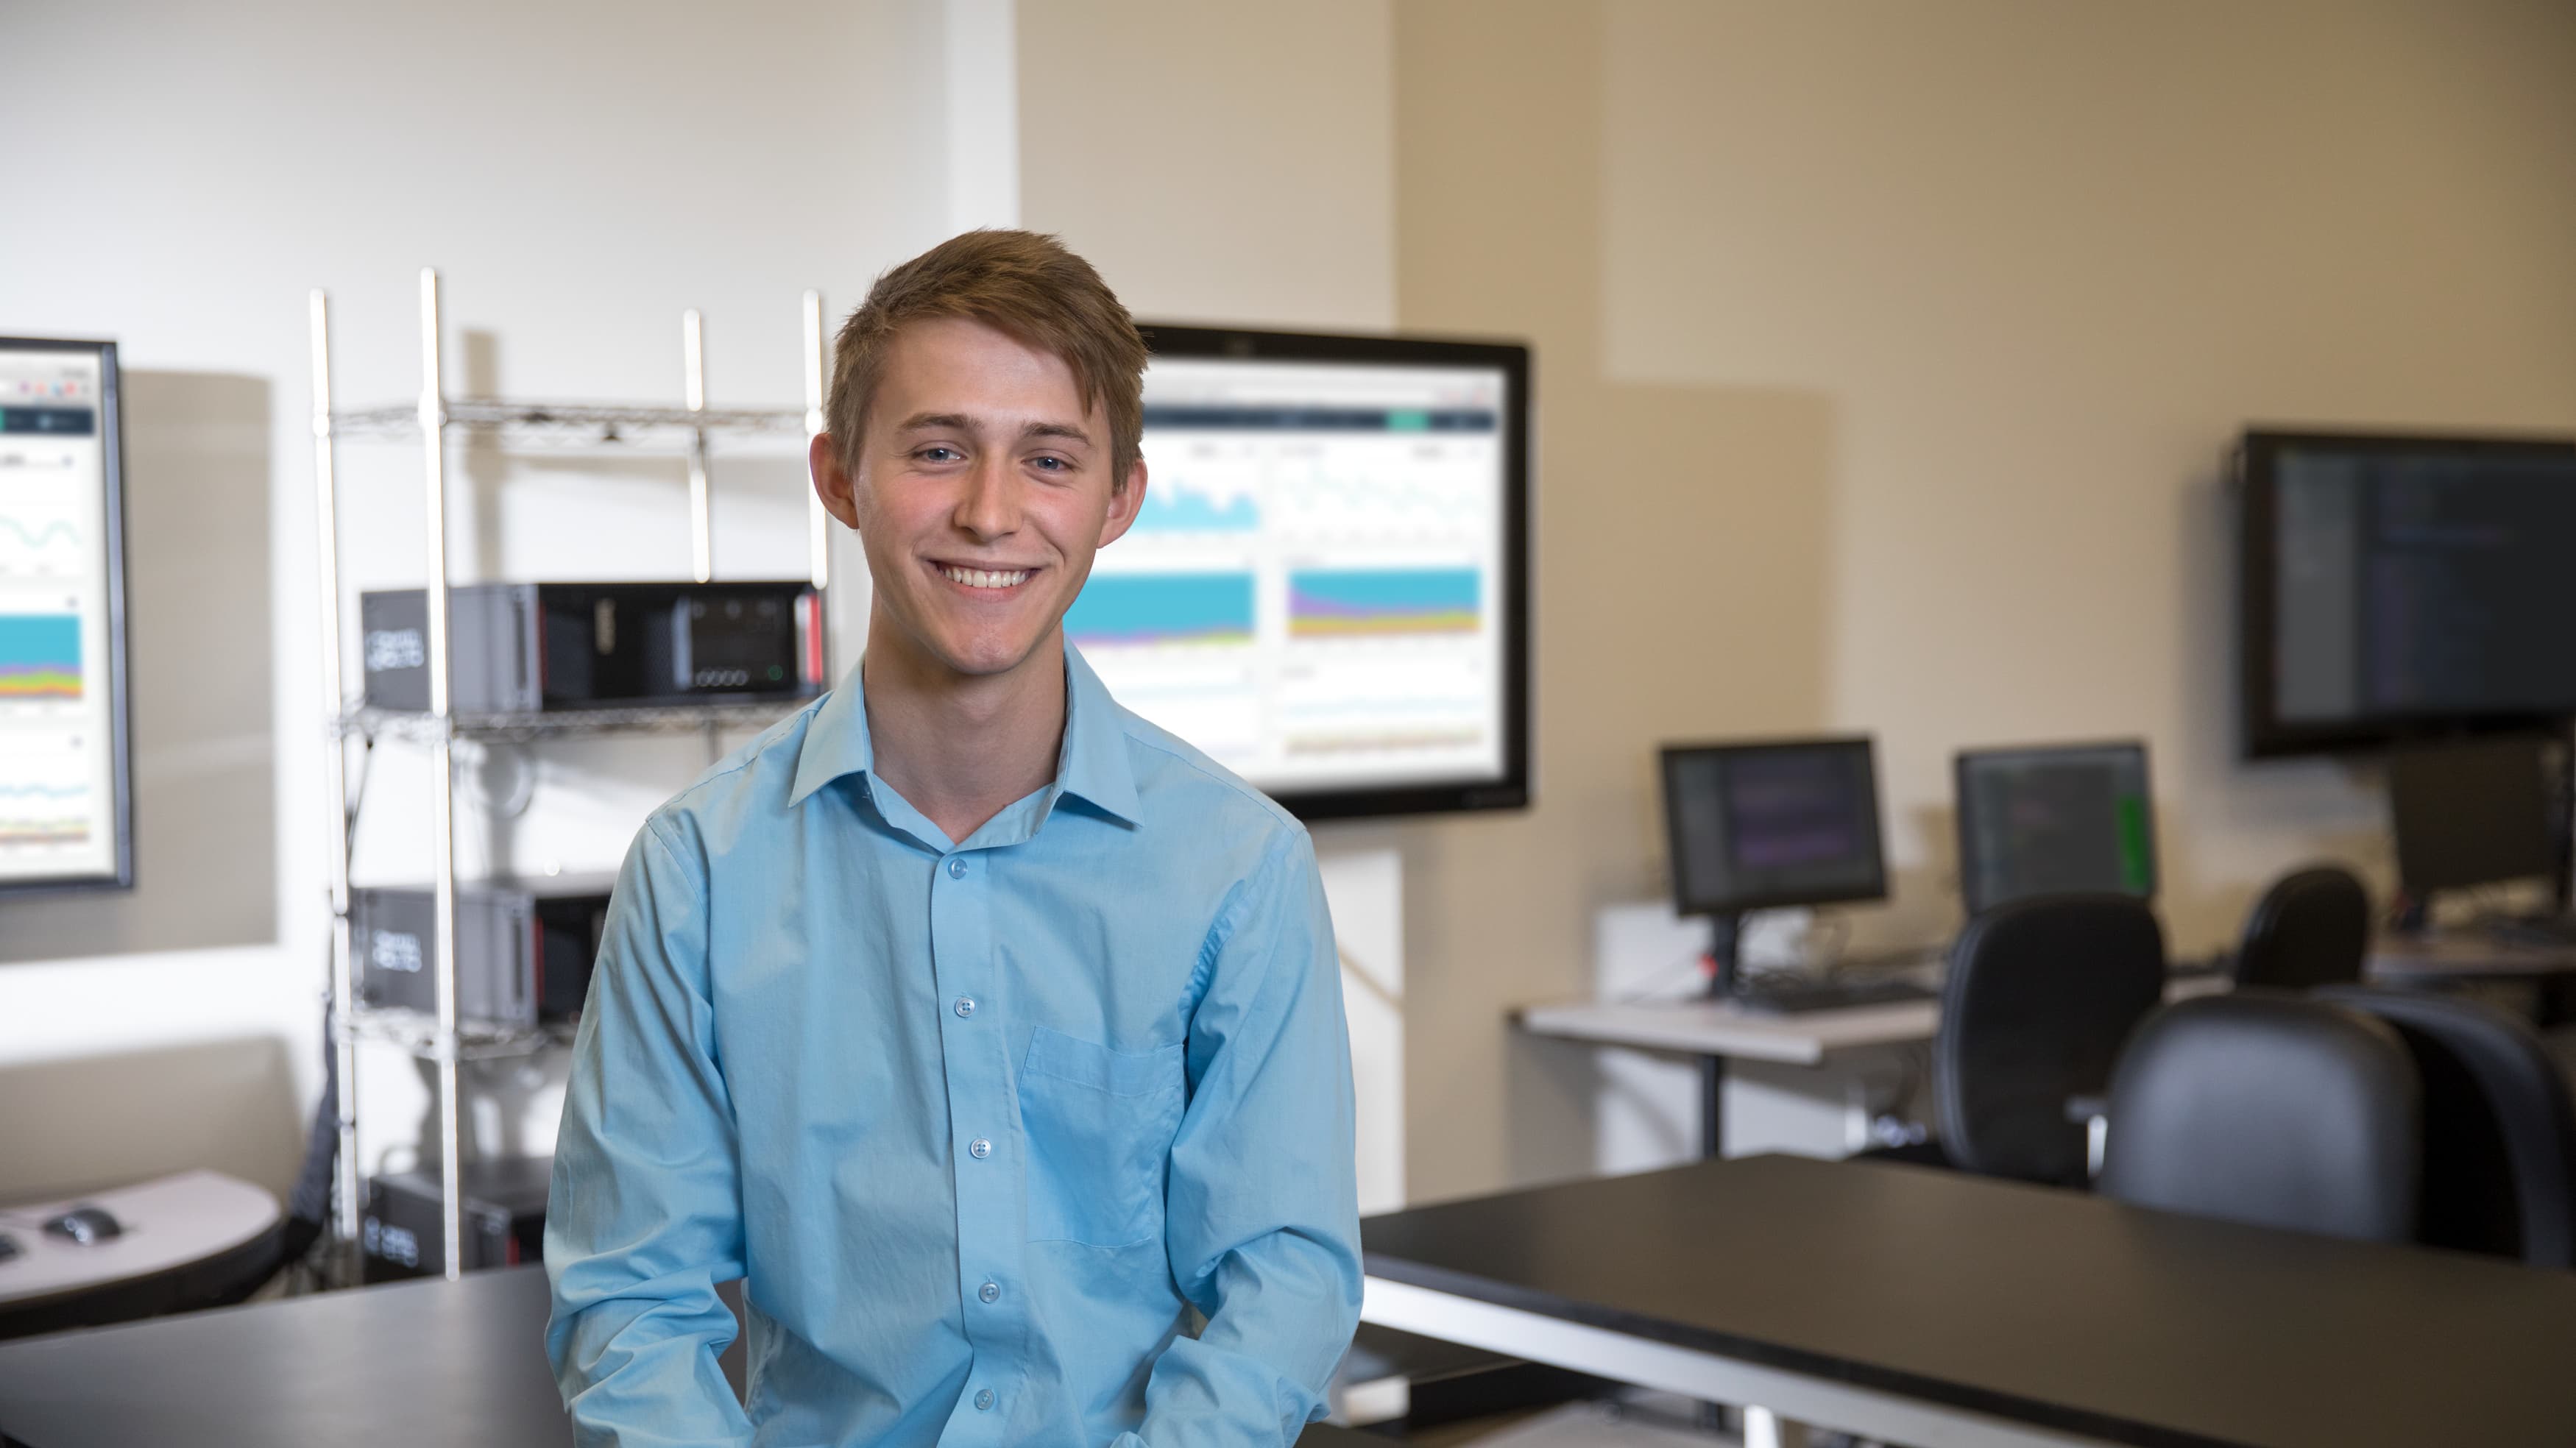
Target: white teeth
[{"x": 986, "y": 577}]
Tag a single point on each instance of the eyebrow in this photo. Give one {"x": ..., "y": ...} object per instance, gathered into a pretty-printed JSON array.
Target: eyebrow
[{"x": 960, "y": 422}]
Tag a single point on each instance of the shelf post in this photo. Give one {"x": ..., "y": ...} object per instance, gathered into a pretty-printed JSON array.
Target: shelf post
[
  {"x": 693, "y": 363},
  {"x": 442, "y": 763},
  {"x": 818, "y": 523},
  {"x": 347, "y": 1187}
]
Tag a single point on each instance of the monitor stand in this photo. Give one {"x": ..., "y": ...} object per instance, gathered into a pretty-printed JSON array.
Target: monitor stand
[{"x": 1726, "y": 937}]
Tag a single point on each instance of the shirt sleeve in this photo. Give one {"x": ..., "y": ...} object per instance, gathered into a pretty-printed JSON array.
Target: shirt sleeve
[
  {"x": 644, "y": 1216},
  {"x": 1262, "y": 1226}
]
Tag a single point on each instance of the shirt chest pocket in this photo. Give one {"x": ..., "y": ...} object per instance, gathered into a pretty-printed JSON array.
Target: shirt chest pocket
[{"x": 1100, "y": 1124}]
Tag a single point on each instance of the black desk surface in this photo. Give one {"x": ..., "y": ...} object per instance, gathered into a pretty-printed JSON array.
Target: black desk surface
[
  {"x": 2052, "y": 1308},
  {"x": 413, "y": 1365}
]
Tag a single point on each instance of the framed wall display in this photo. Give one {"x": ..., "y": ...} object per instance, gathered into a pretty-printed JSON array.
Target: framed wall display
[{"x": 66, "y": 790}]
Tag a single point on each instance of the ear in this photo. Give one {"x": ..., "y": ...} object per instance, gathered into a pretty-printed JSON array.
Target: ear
[
  {"x": 832, "y": 482},
  {"x": 1123, "y": 505}
]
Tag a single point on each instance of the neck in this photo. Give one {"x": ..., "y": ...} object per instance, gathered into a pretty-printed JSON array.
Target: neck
[{"x": 961, "y": 747}]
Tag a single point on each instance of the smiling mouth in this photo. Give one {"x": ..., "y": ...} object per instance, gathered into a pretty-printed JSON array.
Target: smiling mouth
[{"x": 992, "y": 579}]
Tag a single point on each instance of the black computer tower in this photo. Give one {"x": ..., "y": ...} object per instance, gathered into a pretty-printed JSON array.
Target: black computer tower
[
  {"x": 523, "y": 648},
  {"x": 524, "y": 949},
  {"x": 505, "y": 1218}
]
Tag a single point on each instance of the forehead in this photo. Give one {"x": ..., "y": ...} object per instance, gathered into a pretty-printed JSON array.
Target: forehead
[{"x": 957, "y": 365}]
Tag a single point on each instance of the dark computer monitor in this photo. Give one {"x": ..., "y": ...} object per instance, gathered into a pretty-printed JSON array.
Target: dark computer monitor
[
  {"x": 2402, "y": 587},
  {"x": 2472, "y": 812},
  {"x": 1757, "y": 826},
  {"x": 2068, "y": 819}
]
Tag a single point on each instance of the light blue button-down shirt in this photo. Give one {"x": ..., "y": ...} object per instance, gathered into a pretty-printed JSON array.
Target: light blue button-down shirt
[{"x": 986, "y": 1127}]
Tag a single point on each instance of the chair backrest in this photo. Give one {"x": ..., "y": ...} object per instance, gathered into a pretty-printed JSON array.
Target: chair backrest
[
  {"x": 2283, "y": 1111},
  {"x": 2040, "y": 995},
  {"x": 2499, "y": 1128},
  {"x": 2312, "y": 928}
]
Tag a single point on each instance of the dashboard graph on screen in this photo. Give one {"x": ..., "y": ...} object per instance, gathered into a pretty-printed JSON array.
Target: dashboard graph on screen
[
  {"x": 1322, "y": 588},
  {"x": 63, "y": 785}
]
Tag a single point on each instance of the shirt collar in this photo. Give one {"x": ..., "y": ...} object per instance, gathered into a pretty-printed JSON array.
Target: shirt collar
[{"x": 1093, "y": 764}]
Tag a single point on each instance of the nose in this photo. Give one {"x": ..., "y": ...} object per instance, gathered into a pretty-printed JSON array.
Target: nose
[{"x": 989, "y": 505}]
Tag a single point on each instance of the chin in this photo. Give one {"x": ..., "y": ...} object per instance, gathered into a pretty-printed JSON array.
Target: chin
[{"x": 982, "y": 657}]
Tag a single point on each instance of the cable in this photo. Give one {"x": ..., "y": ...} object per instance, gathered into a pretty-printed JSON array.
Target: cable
[
  {"x": 366, "y": 769},
  {"x": 1826, "y": 960}
]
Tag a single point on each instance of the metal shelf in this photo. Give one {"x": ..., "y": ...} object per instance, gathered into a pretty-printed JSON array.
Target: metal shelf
[
  {"x": 439, "y": 1036},
  {"x": 575, "y": 422},
  {"x": 410, "y": 726},
  {"x": 417, "y": 1032}
]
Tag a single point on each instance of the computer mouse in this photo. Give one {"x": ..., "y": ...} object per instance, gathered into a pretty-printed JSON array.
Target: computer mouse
[{"x": 86, "y": 1225}]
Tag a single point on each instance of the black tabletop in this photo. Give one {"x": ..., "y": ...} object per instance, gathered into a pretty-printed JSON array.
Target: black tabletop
[
  {"x": 412, "y": 1365},
  {"x": 2052, "y": 1308}
]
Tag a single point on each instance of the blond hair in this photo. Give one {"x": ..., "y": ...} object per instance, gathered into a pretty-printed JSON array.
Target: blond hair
[{"x": 1024, "y": 285}]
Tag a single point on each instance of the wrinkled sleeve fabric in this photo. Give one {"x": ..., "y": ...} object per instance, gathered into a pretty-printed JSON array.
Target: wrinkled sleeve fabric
[
  {"x": 645, "y": 1214},
  {"x": 1262, "y": 1226}
]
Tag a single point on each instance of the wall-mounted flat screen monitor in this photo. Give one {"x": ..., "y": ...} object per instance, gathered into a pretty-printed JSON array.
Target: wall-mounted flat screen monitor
[
  {"x": 1757, "y": 826},
  {"x": 2399, "y": 586},
  {"x": 1327, "y": 588},
  {"x": 65, "y": 815},
  {"x": 2061, "y": 820}
]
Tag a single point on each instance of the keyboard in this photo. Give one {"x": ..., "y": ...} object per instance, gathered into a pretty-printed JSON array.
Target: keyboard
[
  {"x": 1791, "y": 997},
  {"x": 2543, "y": 931}
]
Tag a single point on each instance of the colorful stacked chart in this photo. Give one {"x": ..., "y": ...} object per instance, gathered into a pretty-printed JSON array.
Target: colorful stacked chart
[
  {"x": 1162, "y": 608},
  {"x": 1379, "y": 602},
  {"x": 40, "y": 656}
]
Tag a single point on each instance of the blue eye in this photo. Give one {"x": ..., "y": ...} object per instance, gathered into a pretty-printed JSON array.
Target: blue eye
[{"x": 937, "y": 454}]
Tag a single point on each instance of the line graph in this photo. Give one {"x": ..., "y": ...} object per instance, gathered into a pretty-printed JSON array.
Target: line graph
[
  {"x": 1177, "y": 506},
  {"x": 43, "y": 802},
  {"x": 40, "y": 541},
  {"x": 32, "y": 536}
]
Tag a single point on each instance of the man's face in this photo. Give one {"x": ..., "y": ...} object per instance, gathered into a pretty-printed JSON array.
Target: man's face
[{"x": 981, "y": 490}]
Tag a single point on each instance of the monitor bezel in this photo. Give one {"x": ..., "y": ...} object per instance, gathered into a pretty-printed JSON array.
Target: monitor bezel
[
  {"x": 1964, "y": 816},
  {"x": 2263, "y": 733},
  {"x": 1866, "y": 744},
  {"x": 111, "y": 436},
  {"x": 1512, "y": 788}
]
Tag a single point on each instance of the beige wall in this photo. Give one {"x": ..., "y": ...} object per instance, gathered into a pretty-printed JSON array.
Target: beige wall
[
  {"x": 1887, "y": 355},
  {"x": 2047, "y": 260},
  {"x": 1219, "y": 163}
]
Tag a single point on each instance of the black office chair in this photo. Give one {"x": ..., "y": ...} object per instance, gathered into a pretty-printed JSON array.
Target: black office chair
[
  {"x": 2282, "y": 1111},
  {"x": 2312, "y": 928},
  {"x": 2040, "y": 995},
  {"x": 2499, "y": 1173}
]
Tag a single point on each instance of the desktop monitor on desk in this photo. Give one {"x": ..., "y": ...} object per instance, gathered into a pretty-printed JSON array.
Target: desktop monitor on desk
[
  {"x": 2053, "y": 821},
  {"x": 2471, "y": 812},
  {"x": 1765, "y": 825}
]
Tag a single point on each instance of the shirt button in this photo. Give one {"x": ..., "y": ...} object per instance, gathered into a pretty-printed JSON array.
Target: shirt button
[
  {"x": 990, "y": 1292},
  {"x": 984, "y": 1401},
  {"x": 965, "y": 1006},
  {"x": 979, "y": 1148},
  {"x": 956, "y": 868}
]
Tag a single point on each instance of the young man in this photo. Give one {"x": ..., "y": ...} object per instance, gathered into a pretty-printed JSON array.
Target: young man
[{"x": 991, "y": 1034}]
